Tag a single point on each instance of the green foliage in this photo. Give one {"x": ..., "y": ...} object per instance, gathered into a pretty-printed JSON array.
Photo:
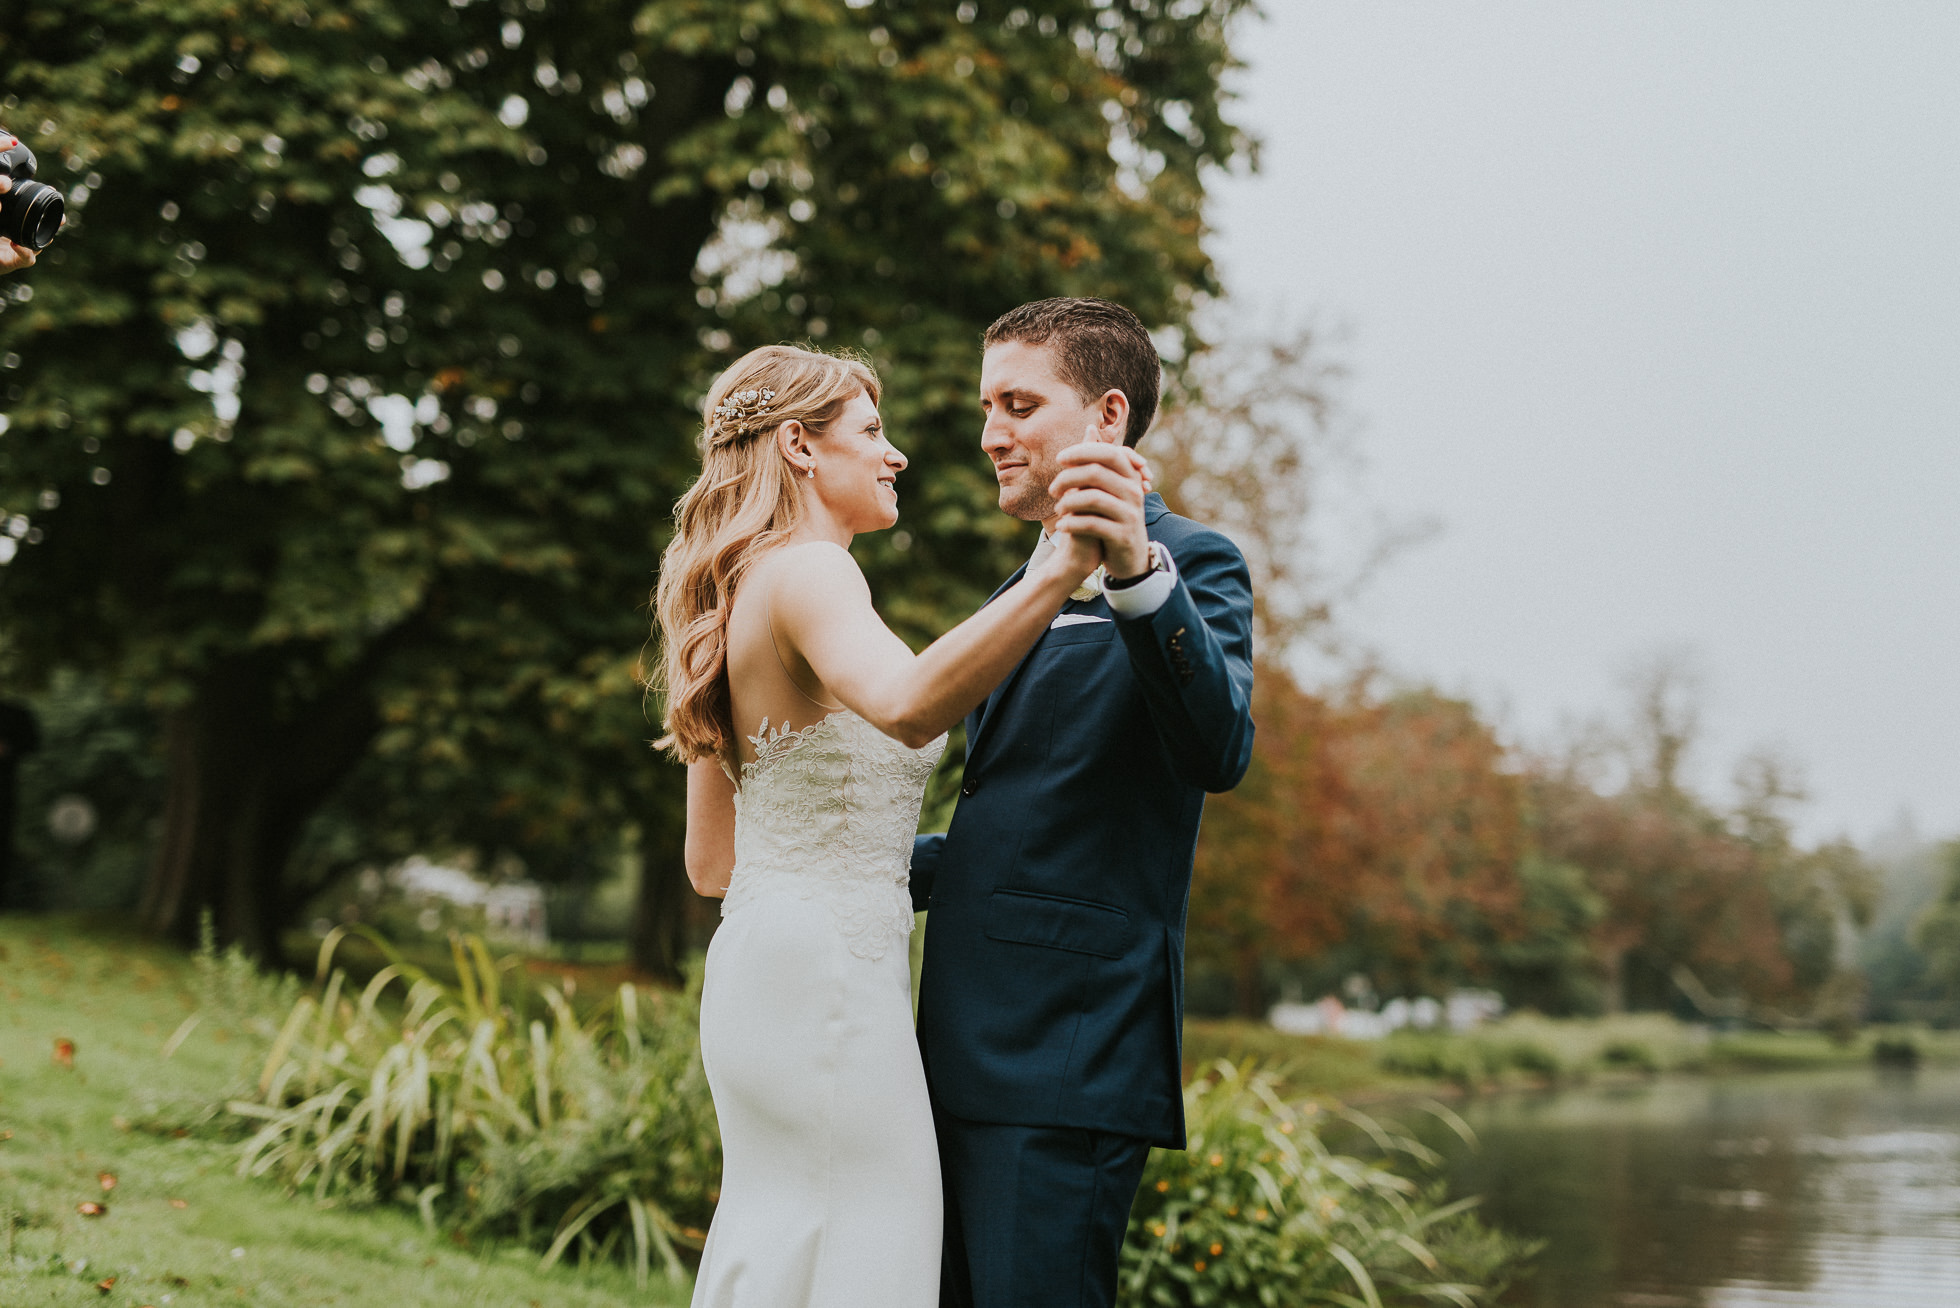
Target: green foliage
[
  {"x": 1550, "y": 965},
  {"x": 346, "y": 414},
  {"x": 1936, "y": 933},
  {"x": 232, "y": 991},
  {"x": 598, "y": 1135},
  {"x": 1260, "y": 1211},
  {"x": 593, "y": 1133},
  {"x": 1914, "y": 874},
  {"x": 1534, "y": 1049},
  {"x": 178, "y": 1211},
  {"x": 102, "y": 749}
]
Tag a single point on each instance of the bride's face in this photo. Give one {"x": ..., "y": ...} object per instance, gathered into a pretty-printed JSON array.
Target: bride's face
[{"x": 857, "y": 469}]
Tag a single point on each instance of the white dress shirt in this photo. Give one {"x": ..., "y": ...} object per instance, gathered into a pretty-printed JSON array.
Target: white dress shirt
[{"x": 1137, "y": 601}]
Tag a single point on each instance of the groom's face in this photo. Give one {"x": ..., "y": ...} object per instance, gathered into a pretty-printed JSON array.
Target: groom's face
[{"x": 1032, "y": 416}]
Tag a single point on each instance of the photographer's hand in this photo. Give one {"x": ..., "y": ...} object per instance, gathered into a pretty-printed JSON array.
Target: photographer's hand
[{"x": 12, "y": 257}]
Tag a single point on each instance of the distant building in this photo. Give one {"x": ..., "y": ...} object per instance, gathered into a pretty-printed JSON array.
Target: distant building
[
  {"x": 1465, "y": 1010},
  {"x": 513, "y": 911}
]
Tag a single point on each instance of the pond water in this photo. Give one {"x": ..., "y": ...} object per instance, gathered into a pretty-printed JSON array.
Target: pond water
[{"x": 1801, "y": 1190}]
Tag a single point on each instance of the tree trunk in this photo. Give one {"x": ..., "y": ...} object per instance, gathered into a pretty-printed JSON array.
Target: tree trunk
[
  {"x": 1249, "y": 983},
  {"x": 1613, "y": 962},
  {"x": 241, "y": 785},
  {"x": 661, "y": 913}
]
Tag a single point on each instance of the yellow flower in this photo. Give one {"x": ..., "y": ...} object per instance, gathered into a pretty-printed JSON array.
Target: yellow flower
[
  {"x": 1217, "y": 1160},
  {"x": 1217, "y": 1249},
  {"x": 1198, "y": 1266},
  {"x": 1163, "y": 1187}
]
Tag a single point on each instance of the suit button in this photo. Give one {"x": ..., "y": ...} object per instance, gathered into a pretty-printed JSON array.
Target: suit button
[{"x": 968, "y": 787}]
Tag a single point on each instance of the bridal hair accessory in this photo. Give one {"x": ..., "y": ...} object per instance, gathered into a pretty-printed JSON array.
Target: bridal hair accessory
[{"x": 740, "y": 414}]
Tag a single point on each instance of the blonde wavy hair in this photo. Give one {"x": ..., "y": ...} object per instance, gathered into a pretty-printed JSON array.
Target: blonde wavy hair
[{"x": 743, "y": 505}]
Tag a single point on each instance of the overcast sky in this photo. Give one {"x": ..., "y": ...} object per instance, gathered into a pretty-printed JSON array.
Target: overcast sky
[{"x": 1656, "y": 307}]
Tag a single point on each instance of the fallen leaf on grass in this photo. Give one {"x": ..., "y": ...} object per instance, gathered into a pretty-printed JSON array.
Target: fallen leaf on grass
[
  {"x": 90, "y": 1208},
  {"x": 64, "y": 1053},
  {"x": 180, "y": 1203},
  {"x": 104, "y": 1287},
  {"x": 108, "y": 1180}
]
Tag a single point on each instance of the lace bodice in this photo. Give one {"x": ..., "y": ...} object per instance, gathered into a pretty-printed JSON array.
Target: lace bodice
[{"x": 828, "y": 813}]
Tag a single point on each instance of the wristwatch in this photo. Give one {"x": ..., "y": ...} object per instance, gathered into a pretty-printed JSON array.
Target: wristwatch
[{"x": 1160, "y": 561}]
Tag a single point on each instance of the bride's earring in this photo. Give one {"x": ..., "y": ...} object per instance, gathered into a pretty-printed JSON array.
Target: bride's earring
[{"x": 810, "y": 471}]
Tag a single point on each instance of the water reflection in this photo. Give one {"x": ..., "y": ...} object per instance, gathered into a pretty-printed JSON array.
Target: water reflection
[{"x": 1837, "y": 1190}]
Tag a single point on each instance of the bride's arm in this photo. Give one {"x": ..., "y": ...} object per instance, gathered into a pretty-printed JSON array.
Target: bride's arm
[
  {"x": 710, "y": 849},
  {"x": 823, "y": 612}
]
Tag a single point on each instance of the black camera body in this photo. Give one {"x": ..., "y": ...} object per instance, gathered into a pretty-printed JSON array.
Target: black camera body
[{"x": 30, "y": 211}]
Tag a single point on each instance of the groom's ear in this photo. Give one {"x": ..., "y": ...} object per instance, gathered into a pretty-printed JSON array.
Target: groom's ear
[{"x": 1113, "y": 417}]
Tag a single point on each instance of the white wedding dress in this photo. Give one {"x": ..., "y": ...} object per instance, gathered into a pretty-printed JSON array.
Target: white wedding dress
[{"x": 830, "y": 1176}]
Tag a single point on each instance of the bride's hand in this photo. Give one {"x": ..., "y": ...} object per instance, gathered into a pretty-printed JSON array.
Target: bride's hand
[{"x": 1075, "y": 557}]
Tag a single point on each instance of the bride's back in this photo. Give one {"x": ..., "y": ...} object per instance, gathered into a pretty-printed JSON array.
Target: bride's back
[{"x": 769, "y": 683}]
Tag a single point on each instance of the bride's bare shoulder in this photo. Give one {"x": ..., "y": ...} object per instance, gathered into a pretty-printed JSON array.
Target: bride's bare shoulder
[{"x": 818, "y": 565}]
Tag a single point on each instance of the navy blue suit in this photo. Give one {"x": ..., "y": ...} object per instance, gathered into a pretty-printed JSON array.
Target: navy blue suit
[{"x": 1052, "y": 997}]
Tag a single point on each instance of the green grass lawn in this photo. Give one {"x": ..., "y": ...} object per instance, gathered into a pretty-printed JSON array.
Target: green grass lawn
[{"x": 181, "y": 1228}]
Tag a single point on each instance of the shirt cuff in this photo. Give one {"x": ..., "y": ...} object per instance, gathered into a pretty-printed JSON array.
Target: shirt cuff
[{"x": 1149, "y": 594}]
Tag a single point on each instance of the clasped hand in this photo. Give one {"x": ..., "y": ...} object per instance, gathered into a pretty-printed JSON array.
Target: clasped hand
[
  {"x": 1099, "y": 502},
  {"x": 13, "y": 257}
]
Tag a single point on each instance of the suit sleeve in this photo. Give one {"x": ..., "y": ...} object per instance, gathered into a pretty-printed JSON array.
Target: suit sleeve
[
  {"x": 925, "y": 864},
  {"x": 1193, "y": 659}
]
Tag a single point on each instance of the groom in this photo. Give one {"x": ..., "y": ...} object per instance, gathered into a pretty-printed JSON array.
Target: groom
[{"x": 1051, "y": 1006}]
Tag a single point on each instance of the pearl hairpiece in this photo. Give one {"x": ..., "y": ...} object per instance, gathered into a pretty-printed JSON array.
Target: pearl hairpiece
[{"x": 739, "y": 411}]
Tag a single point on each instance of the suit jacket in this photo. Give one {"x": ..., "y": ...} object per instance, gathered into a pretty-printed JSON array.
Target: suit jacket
[{"x": 1053, "y": 991}]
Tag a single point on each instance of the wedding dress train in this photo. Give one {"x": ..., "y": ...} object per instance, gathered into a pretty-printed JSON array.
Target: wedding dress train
[{"x": 830, "y": 1176}]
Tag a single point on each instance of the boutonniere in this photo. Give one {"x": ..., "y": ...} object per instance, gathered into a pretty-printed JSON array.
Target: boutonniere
[{"x": 1092, "y": 586}]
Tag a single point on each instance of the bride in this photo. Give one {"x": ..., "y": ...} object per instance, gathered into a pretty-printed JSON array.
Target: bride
[{"x": 810, "y": 729}]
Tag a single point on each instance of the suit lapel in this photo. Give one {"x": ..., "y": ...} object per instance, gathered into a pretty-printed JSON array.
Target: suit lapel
[
  {"x": 977, "y": 720},
  {"x": 976, "y": 723}
]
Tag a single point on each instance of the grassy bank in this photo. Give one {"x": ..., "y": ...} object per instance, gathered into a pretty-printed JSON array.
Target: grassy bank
[
  {"x": 1529, "y": 1050},
  {"x": 181, "y": 1228},
  {"x": 130, "y": 1077}
]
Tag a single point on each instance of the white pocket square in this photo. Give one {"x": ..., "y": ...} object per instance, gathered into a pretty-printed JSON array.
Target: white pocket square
[{"x": 1074, "y": 620}]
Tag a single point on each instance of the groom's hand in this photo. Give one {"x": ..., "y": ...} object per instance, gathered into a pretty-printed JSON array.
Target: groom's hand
[{"x": 1099, "y": 493}]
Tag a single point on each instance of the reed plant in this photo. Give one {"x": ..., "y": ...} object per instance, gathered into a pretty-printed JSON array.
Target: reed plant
[
  {"x": 1260, "y": 1211},
  {"x": 493, "y": 1112},
  {"x": 494, "y": 1109}
]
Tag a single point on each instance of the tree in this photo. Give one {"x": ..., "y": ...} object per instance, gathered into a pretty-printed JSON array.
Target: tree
[
  {"x": 1936, "y": 932},
  {"x": 1722, "y": 906},
  {"x": 1373, "y": 834},
  {"x": 346, "y": 416}
]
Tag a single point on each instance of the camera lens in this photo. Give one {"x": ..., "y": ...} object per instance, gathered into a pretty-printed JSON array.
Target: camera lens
[{"x": 30, "y": 214}]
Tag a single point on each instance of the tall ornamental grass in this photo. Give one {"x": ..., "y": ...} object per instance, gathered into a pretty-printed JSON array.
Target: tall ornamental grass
[
  {"x": 592, "y": 1135},
  {"x": 1259, "y": 1211},
  {"x": 510, "y": 1115}
]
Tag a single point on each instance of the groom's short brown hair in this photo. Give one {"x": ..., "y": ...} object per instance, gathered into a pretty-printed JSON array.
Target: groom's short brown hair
[{"x": 1099, "y": 347}]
